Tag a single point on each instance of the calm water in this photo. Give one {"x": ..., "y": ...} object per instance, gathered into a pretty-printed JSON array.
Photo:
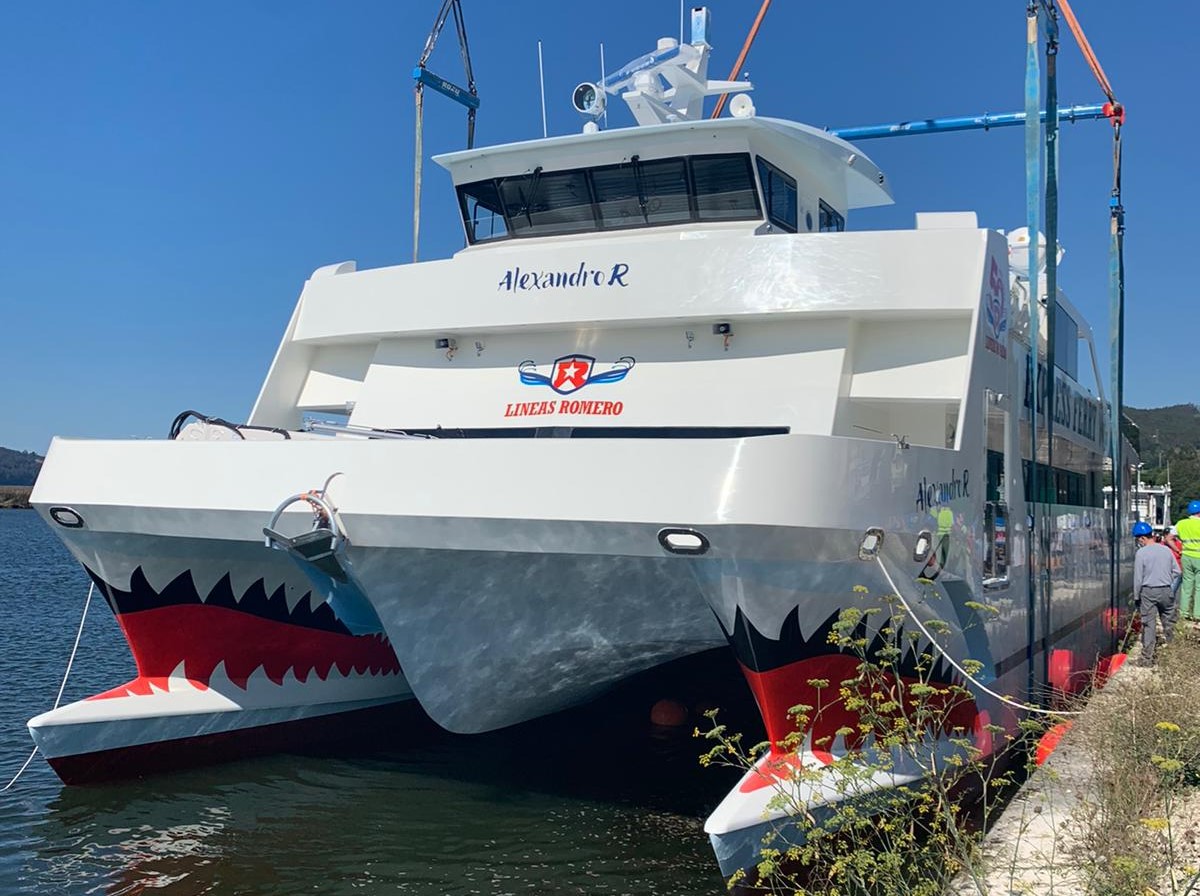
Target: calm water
[{"x": 586, "y": 802}]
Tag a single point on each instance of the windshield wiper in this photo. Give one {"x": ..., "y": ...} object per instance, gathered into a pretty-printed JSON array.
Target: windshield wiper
[
  {"x": 636, "y": 162},
  {"x": 534, "y": 182}
]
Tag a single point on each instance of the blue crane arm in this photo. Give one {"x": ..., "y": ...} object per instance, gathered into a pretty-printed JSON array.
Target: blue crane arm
[{"x": 964, "y": 123}]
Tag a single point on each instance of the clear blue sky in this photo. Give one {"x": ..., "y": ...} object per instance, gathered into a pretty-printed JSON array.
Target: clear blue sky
[{"x": 170, "y": 173}]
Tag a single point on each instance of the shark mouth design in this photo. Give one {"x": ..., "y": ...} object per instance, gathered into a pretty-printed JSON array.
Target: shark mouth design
[
  {"x": 780, "y": 672},
  {"x": 175, "y": 631}
]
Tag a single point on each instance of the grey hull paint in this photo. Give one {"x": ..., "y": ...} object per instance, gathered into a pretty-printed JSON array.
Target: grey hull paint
[{"x": 490, "y": 639}]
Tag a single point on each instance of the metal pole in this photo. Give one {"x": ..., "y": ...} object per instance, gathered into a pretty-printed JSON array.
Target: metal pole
[
  {"x": 420, "y": 94},
  {"x": 1116, "y": 312},
  {"x": 1051, "y": 306},
  {"x": 602, "y": 78},
  {"x": 542, "y": 83},
  {"x": 1033, "y": 160}
]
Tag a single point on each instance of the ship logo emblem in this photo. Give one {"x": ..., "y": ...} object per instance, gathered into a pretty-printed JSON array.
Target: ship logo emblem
[
  {"x": 571, "y": 373},
  {"x": 996, "y": 314}
]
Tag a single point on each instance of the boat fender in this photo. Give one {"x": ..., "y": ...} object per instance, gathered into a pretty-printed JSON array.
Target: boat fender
[{"x": 1048, "y": 742}]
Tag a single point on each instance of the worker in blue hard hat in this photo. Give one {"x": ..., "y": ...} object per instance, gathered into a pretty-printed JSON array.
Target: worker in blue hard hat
[
  {"x": 1154, "y": 574},
  {"x": 1188, "y": 530}
]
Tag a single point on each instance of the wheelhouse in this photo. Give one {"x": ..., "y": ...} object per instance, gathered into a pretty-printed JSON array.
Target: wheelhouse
[{"x": 776, "y": 177}]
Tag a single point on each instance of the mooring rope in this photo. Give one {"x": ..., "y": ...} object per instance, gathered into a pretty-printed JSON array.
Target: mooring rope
[
  {"x": 954, "y": 663},
  {"x": 62, "y": 687}
]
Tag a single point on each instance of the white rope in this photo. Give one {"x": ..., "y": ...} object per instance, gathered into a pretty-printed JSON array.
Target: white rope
[
  {"x": 20, "y": 771},
  {"x": 74, "y": 649},
  {"x": 967, "y": 675},
  {"x": 62, "y": 687}
]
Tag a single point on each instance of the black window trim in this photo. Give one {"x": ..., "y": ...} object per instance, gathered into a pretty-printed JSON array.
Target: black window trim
[{"x": 694, "y": 215}]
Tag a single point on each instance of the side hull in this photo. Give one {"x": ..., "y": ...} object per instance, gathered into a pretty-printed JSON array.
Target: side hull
[
  {"x": 230, "y": 642},
  {"x": 255, "y": 733}
]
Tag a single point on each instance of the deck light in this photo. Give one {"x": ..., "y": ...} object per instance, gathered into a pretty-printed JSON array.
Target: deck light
[
  {"x": 921, "y": 548},
  {"x": 588, "y": 100},
  {"x": 872, "y": 541}
]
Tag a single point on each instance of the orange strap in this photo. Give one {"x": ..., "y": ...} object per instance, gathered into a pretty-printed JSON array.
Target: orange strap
[
  {"x": 737, "y": 66},
  {"x": 1090, "y": 55}
]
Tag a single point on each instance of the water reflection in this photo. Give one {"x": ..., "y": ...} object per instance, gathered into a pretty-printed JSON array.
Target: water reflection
[{"x": 593, "y": 801}]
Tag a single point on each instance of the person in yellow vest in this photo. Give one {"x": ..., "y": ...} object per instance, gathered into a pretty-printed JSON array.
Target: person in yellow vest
[
  {"x": 1188, "y": 531},
  {"x": 945, "y": 524}
]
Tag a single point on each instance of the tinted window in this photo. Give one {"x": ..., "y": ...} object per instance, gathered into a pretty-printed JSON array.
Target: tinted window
[
  {"x": 1066, "y": 343},
  {"x": 724, "y": 188},
  {"x": 831, "y": 221},
  {"x": 639, "y": 193},
  {"x": 540, "y": 204},
  {"x": 482, "y": 211},
  {"x": 779, "y": 196},
  {"x": 634, "y": 194}
]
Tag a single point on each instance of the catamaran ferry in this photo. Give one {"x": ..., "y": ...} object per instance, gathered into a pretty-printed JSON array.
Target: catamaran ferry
[{"x": 662, "y": 401}]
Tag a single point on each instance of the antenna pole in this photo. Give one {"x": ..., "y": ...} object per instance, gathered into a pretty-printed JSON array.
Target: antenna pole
[
  {"x": 681, "y": 5},
  {"x": 542, "y": 82},
  {"x": 602, "y": 77}
]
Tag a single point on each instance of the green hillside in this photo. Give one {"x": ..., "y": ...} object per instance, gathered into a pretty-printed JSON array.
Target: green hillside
[
  {"x": 1170, "y": 445},
  {"x": 19, "y": 467}
]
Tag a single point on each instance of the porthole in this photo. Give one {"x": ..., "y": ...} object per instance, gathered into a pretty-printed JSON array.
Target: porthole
[{"x": 66, "y": 517}]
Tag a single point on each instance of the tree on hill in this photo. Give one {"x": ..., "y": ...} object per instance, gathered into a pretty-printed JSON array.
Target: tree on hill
[
  {"x": 1170, "y": 448},
  {"x": 19, "y": 467}
]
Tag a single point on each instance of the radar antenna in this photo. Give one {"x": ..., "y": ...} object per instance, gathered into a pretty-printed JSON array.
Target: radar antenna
[
  {"x": 671, "y": 83},
  {"x": 467, "y": 96}
]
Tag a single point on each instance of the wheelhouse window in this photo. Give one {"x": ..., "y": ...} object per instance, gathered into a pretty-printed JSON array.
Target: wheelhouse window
[
  {"x": 482, "y": 212},
  {"x": 831, "y": 220},
  {"x": 539, "y": 204},
  {"x": 636, "y": 193},
  {"x": 642, "y": 194},
  {"x": 779, "y": 196},
  {"x": 725, "y": 188}
]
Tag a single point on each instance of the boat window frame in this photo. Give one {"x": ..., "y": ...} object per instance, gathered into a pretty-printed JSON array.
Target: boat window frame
[
  {"x": 830, "y": 219},
  {"x": 767, "y": 174},
  {"x": 698, "y": 205},
  {"x": 470, "y": 221}
]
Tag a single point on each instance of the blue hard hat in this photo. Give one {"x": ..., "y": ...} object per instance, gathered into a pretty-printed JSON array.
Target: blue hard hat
[
  {"x": 1193, "y": 507},
  {"x": 1143, "y": 528}
]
